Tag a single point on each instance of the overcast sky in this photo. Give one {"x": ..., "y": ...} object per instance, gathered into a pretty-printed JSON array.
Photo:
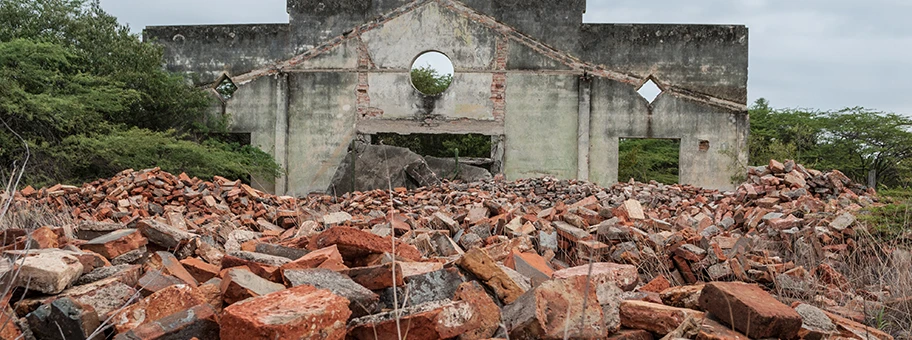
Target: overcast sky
[{"x": 822, "y": 54}]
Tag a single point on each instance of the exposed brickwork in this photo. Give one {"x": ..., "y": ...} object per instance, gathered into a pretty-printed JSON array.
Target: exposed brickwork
[
  {"x": 499, "y": 81},
  {"x": 364, "y": 65}
]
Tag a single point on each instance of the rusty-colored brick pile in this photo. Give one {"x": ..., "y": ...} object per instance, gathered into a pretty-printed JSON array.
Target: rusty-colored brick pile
[{"x": 159, "y": 256}]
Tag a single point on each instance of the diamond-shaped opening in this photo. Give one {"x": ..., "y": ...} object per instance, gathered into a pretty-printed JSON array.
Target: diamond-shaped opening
[
  {"x": 649, "y": 91},
  {"x": 226, "y": 88}
]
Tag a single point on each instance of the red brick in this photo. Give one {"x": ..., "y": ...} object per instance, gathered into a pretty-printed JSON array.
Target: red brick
[
  {"x": 432, "y": 320},
  {"x": 554, "y": 307},
  {"x": 486, "y": 315},
  {"x": 631, "y": 334},
  {"x": 239, "y": 283},
  {"x": 756, "y": 313},
  {"x": 116, "y": 243},
  {"x": 530, "y": 265},
  {"x": 829, "y": 275},
  {"x": 197, "y": 322},
  {"x": 199, "y": 269},
  {"x": 376, "y": 277},
  {"x": 354, "y": 244},
  {"x": 477, "y": 262},
  {"x": 43, "y": 238},
  {"x": 624, "y": 275},
  {"x": 653, "y": 317},
  {"x": 682, "y": 296},
  {"x": 301, "y": 312},
  {"x": 169, "y": 265},
  {"x": 850, "y": 329},
  {"x": 712, "y": 330},
  {"x": 657, "y": 285},
  {"x": 10, "y": 329},
  {"x": 160, "y": 304},
  {"x": 328, "y": 258}
]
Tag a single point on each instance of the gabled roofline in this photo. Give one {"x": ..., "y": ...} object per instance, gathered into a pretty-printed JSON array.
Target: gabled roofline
[{"x": 511, "y": 34}]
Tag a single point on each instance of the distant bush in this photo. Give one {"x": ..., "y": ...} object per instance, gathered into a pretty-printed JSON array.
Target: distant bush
[{"x": 139, "y": 148}]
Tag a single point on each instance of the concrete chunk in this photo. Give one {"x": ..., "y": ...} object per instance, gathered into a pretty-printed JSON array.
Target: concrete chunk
[
  {"x": 48, "y": 272},
  {"x": 240, "y": 283}
]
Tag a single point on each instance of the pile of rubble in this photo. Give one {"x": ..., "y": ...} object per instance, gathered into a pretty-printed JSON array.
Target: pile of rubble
[{"x": 158, "y": 256}]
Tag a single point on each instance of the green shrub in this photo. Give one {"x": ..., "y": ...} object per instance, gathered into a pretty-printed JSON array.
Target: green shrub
[
  {"x": 892, "y": 220},
  {"x": 89, "y": 155}
]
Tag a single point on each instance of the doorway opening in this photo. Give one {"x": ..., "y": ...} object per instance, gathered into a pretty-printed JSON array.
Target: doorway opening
[{"x": 649, "y": 159}]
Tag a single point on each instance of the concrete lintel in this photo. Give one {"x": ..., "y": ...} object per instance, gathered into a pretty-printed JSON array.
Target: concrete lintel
[{"x": 405, "y": 127}]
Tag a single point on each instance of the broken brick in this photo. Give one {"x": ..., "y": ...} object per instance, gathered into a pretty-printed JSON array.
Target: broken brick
[
  {"x": 477, "y": 262},
  {"x": 240, "y": 283},
  {"x": 759, "y": 315},
  {"x": 302, "y": 312},
  {"x": 354, "y": 244},
  {"x": 116, "y": 243}
]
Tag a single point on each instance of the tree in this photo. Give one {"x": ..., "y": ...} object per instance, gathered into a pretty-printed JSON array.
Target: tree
[
  {"x": 72, "y": 79},
  {"x": 100, "y": 46},
  {"x": 856, "y": 141},
  {"x": 428, "y": 81}
]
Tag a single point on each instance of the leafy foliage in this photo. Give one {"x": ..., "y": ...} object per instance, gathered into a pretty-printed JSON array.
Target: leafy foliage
[
  {"x": 853, "y": 140},
  {"x": 428, "y": 81},
  {"x": 648, "y": 159},
  {"x": 138, "y": 148},
  {"x": 69, "y": 72},
  {"x": 440, "y": 145},
  {"x": 892, "y": 220}
]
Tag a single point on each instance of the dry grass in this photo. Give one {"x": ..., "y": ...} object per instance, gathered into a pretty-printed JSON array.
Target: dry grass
[
  {"x": 880, "y": 266},
  {"x": 879, "y": 275}
]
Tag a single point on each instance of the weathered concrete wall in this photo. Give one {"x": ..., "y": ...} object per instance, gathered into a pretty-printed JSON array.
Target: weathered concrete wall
[
  {"x": 541, "y": 126},
  {"x": 706, "y": 59},
  {"x": 321, "y": 123},
  {"x": 555, "y": 93},
  {"x": 212, "y": 50},
  {"x": 617, "y": 112},
  {"x": 258, "y": 108},
  {"x": 316, "y": 21},
  {"x": 553, "y": 22}
]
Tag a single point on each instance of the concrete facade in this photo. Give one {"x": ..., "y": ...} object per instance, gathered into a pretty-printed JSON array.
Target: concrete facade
[{"x": 555, "y": 94}]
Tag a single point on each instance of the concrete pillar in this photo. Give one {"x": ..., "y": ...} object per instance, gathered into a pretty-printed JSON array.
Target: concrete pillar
[
  {"x": 281, "y": 132},
  {"x": 497, "y": 154},
  {"x": 582, "y": 137}
]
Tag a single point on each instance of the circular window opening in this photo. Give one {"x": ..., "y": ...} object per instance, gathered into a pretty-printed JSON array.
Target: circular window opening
[{"x": 432, "y": 73}]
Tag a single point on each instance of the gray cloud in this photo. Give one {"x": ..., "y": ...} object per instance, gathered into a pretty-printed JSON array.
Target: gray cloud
[{"x": 824, "y": 54}]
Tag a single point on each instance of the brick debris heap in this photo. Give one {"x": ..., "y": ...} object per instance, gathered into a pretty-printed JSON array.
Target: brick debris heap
[{"x": 152, "y": 255}]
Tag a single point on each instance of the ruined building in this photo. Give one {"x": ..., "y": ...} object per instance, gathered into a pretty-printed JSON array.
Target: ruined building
[{"x": 554, "y": 93}]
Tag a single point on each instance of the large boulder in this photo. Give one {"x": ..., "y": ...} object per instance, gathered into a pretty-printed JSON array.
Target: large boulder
[
  {"x": 446, "y": 168},
  {"x": 366, "y": 167}
]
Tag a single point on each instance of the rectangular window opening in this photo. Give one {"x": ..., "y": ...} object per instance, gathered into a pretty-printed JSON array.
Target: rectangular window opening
[
  {"x": 471, "y": 149},
  {"x": 649, "y": 159}
]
